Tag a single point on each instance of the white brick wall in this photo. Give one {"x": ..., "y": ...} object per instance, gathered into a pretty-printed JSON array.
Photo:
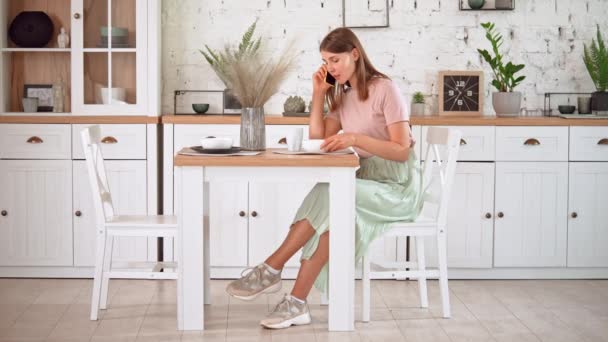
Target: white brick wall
[{"x": 424, "y": 36}]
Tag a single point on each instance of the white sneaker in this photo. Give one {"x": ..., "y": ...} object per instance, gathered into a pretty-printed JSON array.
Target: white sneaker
[
  {"x": 258, "y": 280},
  {"x": 287, "y": 313}
]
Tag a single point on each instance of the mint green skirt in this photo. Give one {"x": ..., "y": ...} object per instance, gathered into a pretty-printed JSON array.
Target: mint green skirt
[{"x": 387, "y": 192}]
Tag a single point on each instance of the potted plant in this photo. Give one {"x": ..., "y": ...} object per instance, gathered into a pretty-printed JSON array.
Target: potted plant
[
  {"x": 418, "y": 104},
  {"x": 506, "y": 102},
  {"x": 252, "y": 78},
  {"x": 596, "y": 61}
]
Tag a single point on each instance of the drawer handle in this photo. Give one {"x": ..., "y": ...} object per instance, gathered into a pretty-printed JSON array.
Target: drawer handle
[
  {"x": 109, "y": 140},
  {"x": 532, "y": 141},
  {"x": 254, "y": 213},
  {"x": 34, "y": 140},
  {"x": 603, "y": 141},
  {"x": 78, "y": 213},
  {"x": 500, "y": 214},
  {"x": 463, "y": 142},
  {"x": 488, "y": 215},
  {"x": 4, "y": 213},
  {"x": 283, "y": 141},
  {"x": 574, "y": 215},
  {"x": 241, "y": 213}
]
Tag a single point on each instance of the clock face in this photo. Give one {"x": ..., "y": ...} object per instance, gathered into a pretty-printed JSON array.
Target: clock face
[{"x": 460, "y": 93}]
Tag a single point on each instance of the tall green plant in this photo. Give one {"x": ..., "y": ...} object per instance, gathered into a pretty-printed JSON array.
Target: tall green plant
[
  {"x": 596, "y": 60},
  {"x": 504, "y": 74},
  {"x": 247, "y": 47}
]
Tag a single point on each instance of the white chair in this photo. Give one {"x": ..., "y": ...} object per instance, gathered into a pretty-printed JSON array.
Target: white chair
[
  {"x": 444, "y": 144},
  {"x": 108, "y": 225}
]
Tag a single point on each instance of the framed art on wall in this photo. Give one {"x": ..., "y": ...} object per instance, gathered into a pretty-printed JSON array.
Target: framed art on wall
[
  {"x": 365, "y": 14},
  {"x": 461, "y": 93}
]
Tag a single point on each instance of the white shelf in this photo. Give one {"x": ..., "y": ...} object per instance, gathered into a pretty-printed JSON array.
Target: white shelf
[
  {"x": 109, "y": 50},
  {"x": 34, "y": 114},
  {"x": 36, "y": 50}
]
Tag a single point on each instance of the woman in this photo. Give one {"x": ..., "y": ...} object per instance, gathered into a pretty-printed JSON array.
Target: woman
[{"x": 367, "y": 106}]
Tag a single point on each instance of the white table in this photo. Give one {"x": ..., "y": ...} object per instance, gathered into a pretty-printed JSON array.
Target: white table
[{"x": 192, "y": 175}]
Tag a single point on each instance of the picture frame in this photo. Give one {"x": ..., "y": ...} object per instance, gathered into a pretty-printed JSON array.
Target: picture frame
[
  {"x": 357, "y": 14},
  {"x": 461, "y": 93},
  {"x": 231, "y": 103},
  {"x": 44, "y": 93}
]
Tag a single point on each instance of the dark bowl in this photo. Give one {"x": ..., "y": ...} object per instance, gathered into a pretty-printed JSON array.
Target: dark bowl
[
  {"x": 200, "y": 108},
  {"x": 566, "y": 109}
]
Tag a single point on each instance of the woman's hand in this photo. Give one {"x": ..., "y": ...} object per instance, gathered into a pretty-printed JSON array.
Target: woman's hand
[
  {"x": 319, "y": 86},
  {"x": 339, "y": 142}
]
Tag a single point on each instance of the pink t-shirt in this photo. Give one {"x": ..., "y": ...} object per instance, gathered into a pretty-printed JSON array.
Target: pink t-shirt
[{"x": 383, "y": 107}]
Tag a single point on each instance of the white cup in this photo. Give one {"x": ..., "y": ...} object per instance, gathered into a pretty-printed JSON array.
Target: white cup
[{"x": 294, "y": 139}]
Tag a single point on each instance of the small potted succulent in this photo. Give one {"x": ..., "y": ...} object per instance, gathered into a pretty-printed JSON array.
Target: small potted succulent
[
  {"x": 418, "y": 104},
  {"x": 506, "y": 102},
  {"x": 596, "y": 61}
]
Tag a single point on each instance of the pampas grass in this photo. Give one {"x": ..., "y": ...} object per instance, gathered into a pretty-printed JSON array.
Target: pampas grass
[
  {"x": 253, "y": 80},
  {"x": 252, "y": 77}
]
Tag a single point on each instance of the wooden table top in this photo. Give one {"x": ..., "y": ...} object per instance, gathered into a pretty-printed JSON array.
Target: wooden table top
[
  {"x": 79, "y": 119},
  {"x": 435, "y": 120},
  {"x": 268, "y": 158}
]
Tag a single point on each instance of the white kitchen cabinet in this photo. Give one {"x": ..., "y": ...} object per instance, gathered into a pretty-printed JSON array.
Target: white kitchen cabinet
[
  {"x": 98, "y": 78},
  {"x": 530, "y": 210},
  {"x": 251, "y": 220},
  {"x": 35, "y": 204},
  {"x": 111, "y": 78},
  {"x": 587, "y": 215},
  {"x": 470, "y": 227},
  {"x": 127, "y": 180},
  {"x": 228, "y": 214},
  {"x": 272, "y": 207}
]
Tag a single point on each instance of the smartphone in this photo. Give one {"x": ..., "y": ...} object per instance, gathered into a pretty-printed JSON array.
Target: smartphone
[{"x": 329, "y": 79}]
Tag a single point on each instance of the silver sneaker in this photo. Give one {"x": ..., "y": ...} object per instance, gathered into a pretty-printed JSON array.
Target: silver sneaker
[
  {"x": 253, "y": 282},
  {"x": 287, "y": 313}
]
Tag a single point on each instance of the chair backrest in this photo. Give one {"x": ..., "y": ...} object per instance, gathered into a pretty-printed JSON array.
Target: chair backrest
[
  {"x": 102, "y": 199},
  {"x": 439, "y": 170}
]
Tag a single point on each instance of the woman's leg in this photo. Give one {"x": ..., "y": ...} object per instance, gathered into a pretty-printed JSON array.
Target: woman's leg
[
  {"x": 310, "y": 269},
  {"x": 297, "y": 237}
]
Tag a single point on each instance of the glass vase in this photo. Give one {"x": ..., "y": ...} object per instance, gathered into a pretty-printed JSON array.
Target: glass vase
[{"x": 253, "y": 129}]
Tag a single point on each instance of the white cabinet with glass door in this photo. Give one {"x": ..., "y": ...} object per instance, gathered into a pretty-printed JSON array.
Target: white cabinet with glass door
[
  {"x": 109, "y": 56},
  {"x": 110, "y": 66}
]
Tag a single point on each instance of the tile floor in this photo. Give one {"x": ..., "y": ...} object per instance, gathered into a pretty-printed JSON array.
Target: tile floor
[{"x": 144, "y": 310}]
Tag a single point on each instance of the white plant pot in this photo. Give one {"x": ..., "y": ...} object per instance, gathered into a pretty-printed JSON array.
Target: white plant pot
[
  {"x": 506, "y": 103},
  {"x": 418, "y": 109}
]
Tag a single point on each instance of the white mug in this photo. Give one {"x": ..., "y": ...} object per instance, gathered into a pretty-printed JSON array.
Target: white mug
[{"x": 294, "y": 139}]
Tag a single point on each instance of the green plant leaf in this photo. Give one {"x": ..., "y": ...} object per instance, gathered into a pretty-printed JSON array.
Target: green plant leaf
[
  {"x": 595, "y": 57},
  {"x": 497, "y": 85}
]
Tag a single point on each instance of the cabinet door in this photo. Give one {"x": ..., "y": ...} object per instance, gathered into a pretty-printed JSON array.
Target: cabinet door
[
  {"x": 227, "y": 228},
  {"x": 109, "y": 65},
  {"x": 275, "y": 205},
  {"x": 36, "y": 201},
  {"x": 127, "y": 181},
  {"x": 532, "y": 199},
  {"x": 588, "y": 217},
  {"x": 469, "y": 232}
]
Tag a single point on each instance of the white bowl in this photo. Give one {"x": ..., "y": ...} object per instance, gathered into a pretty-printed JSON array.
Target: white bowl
[
  {"x": 312, "y": 145},
  {"x": 216, "y": 143}
]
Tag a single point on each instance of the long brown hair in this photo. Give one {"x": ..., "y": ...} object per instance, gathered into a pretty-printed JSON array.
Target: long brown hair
[{"x": 342, "y": 40}]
